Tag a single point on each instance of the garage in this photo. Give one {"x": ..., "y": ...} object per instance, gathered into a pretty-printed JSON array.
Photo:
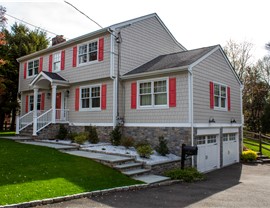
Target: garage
[
  {"x": 208, "y": 143},
  {"x": 230, "y": 146}
]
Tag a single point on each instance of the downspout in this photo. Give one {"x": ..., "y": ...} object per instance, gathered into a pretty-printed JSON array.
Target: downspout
[
  {"x": 242, "y": 115},
  {"x": 190, "y": 83}
]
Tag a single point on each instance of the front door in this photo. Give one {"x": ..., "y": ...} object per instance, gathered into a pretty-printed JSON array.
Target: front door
[{"x": 58, "y": 105}]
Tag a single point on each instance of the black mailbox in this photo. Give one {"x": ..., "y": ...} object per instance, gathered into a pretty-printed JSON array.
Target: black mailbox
[
  {"x": 190, "y": 150},
  {"x": 187, "y": 151}
]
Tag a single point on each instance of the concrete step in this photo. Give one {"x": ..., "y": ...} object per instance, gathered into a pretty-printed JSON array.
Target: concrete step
[
  {"x": 150, "y": 179},
  {"x": 136, "y": 172},
  {"x": 262, "y": 157},
  {"x": 265, "y": 160},
  {"x": 129, "y": 166}
]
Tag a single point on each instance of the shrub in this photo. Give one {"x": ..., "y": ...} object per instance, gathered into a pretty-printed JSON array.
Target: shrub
[
  {"x": 71, "y": 136},
  {"x": 248, "y": 155},
  {"x": 145, "y": 151},
  {"x": 187, "y": 175},
  {"x": 62, "y": 132},
  {"x": 116, "y": 135},
  {"x": 162, "y": 148},
  {"x": 127, "y": 142},
  {"x": 93, "y": 136},
  {"x": 141, "y": 143},
  {"x": 81, "y": 137}
]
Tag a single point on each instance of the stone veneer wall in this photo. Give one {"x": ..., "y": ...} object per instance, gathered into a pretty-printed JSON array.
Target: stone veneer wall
[{"x": 175, "y": 136}]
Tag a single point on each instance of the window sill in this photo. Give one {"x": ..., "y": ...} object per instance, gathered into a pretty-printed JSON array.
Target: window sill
[
  {"x": 89, "y": 109},
  {"x": 220, "y": 109},
  {"x": 152, "y": 107},
  {"x": 87, "y": 63}
]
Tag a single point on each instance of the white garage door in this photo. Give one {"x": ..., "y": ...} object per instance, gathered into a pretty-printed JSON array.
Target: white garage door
[
  {"x": 230, "y": 149},
  {"x": 208, "y": 153}
]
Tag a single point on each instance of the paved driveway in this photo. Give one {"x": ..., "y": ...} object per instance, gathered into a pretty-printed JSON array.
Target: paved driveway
[{"x": 234, "y": 186}]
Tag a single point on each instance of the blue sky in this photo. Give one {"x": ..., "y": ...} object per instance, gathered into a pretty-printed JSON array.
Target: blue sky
[{"x": 194, "y": 23}]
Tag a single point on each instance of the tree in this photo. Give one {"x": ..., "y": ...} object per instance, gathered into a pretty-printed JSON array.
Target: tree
[
  {"x": 20, "y": 41},
  {"x": 263, "y": 65},
  {"x": 239, "y": 55}
]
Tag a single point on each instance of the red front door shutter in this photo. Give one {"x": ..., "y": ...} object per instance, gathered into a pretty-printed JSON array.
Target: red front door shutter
[
  {"x": 229, "y": 98},
  {"x": 42, "y": 102},
  {"x": 103, "y": 96},
  {"x": 101, "y": 49},
  {"x": 74, "y": 56},
  {"x": 26, "y": 104},
  {"x": 50, "y": 63},
  {"x": 63, "y": 60},
  {"x": 77, "y": 99},
  {"x": 133, "y": 95},
  {"x": 40, "y": 68},
  {"x": 25, "y": 70},
  {"x": 172, "y": 92},
  {"x": 211, "y": 86}
]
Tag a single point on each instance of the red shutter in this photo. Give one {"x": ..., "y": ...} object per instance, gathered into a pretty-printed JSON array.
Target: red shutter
[
  {"x": 26, "y": 104},
  {"x": 103, "y": 96},
  {"x": 77, "y": 99},
  {"x": 42, "y": 102},
  {"x": 100, "y": 49},
  {"x": 74, "y": 58},
  {"x": 50, "y": 63},
  {"x": 63, "y": 60},
  {"x": 133, "y": 95},
  {"x": 40, "y": 64},
  {"x": 229, "y": 98},
  {"x": 211, "y": 85},
  {"x": 25, "y": 70},
  {"x": 172, "y": 92}
]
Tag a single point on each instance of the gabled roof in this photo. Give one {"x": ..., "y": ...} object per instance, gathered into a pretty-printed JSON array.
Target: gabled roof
[
  {"x": 108, "y": 29},
  {"x": 53, "y": 78},
  {"x": 174, "y": 60}
]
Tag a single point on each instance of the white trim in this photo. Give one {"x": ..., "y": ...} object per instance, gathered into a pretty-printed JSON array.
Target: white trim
[
  {"x": 42, "y": 74},
  {"x": 230, "y": 130},
  {"x": 219, "y": 108},
  {"x": 204, "y": 125},
  {"x": 157, "y": 124},
  {"x": 88, "y": 124},
  {"x": 60, "y": 55},
  {"x": 32, "y": 60},
  {"x": 208, "y": 131},
  {"x": 87, "y": 52},
  {"x": 90, "y": 92}
]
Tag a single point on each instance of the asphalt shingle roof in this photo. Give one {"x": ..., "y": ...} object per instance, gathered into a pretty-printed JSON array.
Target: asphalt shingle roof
[
  {"x": 54, "y": 76},
  {"x": 168, "y": 61}
]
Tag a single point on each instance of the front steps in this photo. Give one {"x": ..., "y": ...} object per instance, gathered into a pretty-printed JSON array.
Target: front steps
[{"x": 263, "y": 158}]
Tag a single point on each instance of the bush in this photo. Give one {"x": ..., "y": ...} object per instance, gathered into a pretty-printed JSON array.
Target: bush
[
  {"x": 141, "y": 143},
  {"x": 187, "y": 175},
  {"x": 248, "y": 155},
  {"x": 93, "y": 136},
  {"x": 145, "y": 151},
  {"x": 162, "y": 148},
  {"x": 127, "y": 142},
  {"x": 116, "y": 135},
  {"x": 62, "y": 132},
  {"x": 72, "y": 135},
  {"x": 81, "y": 137}
]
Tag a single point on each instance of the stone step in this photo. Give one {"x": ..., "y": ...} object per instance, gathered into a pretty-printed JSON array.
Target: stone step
[
  {"x": 136, "y": 172},
  {"x": 150, "y": 179},
  {"x": 262, "y": 157},
  {"x": 129, "y": 166},
  {"x": 265, "y": 160}
]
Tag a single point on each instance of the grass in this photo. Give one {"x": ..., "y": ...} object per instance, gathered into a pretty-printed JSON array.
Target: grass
[
  {"x": 254, "y": 145},
  {"x": 7, "y": 133},
  {"x": 29, "y": 172}
]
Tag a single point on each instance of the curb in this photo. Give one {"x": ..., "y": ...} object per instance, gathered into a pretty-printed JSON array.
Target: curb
[{"x": 88, "y": 194}]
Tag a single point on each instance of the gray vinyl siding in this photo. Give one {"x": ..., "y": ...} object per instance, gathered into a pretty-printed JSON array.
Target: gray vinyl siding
[
  {"x": 178, "y": 114},
  {"x": 143, "y": 41},
  {"x": 214, "y": 68},
  {"x": 100, "y": 116}
]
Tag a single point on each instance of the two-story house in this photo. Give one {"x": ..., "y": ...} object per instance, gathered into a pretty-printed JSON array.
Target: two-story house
[{"x": 137, "y": 74}]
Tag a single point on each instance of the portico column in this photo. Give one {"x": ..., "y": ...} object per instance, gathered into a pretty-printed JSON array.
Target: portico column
[
  {"x": 35, "y": 111},
  {"x": 53, "y": 103}
]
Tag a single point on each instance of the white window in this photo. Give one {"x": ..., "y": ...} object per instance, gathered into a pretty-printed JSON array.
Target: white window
[
  {"x": 153, "y": 93},
  {"x": 56, "y": 62},
  {"x": 31, "y": 102},
  {"x": 220, "y": 96},
  {"x": 33, "y": 67},
  {"x": 88, "y": 52},
  {"x": 90, "y": 98},
  {"x": 208, "y": 139},
  {"x": 229, "y": 137}
]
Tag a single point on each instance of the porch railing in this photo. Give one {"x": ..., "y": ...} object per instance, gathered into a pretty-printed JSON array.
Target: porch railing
[
  {"x": 61, "y": 115},
  {"x": 24, "y": 121},
  {"x": 44, "y": 120}
]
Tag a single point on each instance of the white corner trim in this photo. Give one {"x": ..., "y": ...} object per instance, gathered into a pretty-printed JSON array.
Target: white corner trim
[
  {"x": 157, "y": 124},
  {"x": 88, "y": 124}
]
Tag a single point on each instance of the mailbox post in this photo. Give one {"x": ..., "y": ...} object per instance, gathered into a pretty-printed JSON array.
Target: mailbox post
[{"x": 187, "y": 151}]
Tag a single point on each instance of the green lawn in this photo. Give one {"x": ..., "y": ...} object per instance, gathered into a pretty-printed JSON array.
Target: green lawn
[
  {"x": 7, "y": 133},
  {"x": 29, "y": 172},
  {"x": 255, "y": 146}
]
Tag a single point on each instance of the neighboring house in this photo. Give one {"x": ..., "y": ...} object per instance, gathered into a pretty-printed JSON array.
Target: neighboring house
[{"x": 136, "y": 73}]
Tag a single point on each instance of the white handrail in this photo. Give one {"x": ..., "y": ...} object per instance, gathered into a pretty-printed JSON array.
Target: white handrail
[
  {"x": 25, "y": 120},
  {"x": 44, "y": 120}
]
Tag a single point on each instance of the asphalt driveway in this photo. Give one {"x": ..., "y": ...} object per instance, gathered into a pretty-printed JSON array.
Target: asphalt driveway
[{"x": 234, "y": 186}]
